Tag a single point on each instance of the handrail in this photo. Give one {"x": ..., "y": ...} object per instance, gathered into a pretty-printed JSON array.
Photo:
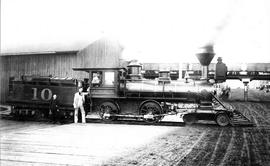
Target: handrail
[{"x": 218, "y": 101}]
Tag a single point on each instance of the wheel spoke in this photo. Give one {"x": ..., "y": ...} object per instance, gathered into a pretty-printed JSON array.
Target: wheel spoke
[
  {"x": 108, "y": 108},
  {"x": 222, "y": 120},
  {"x": 151, "y": 108},
  {"x": 144, "y": 111}
]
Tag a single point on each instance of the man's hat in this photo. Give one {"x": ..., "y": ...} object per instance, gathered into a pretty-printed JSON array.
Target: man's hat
[{"x": 219, "y": 59}]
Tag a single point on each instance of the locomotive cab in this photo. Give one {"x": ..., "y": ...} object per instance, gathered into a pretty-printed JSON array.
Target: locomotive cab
[{"x": 103, "y": 82}]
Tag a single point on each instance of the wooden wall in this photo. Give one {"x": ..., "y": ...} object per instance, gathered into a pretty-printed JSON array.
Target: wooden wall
[
  {"x": 57, "y": 64},
  {"x": 103, "y": 53},
  {"x": 2, "y": 80}
]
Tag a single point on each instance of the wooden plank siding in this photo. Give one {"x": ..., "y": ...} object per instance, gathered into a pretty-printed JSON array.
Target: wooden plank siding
[
  {"x": 103, "y": 53},
  {"x": 59, "y": 64}
]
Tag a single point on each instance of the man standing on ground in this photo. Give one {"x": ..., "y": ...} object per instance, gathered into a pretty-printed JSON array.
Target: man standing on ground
[
  {"x": 78, "y": 104},
  {"x": 54, "y": 108}
]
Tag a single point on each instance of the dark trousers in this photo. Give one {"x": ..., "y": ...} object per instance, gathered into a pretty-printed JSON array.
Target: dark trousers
[{"x": 55, "y": 116}]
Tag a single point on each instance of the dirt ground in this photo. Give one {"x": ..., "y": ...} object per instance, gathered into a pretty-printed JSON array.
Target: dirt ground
[{"x": 208, "y": 144}]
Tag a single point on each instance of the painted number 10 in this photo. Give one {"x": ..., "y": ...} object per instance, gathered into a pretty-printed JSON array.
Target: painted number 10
[{"x": 46, "y": 94}]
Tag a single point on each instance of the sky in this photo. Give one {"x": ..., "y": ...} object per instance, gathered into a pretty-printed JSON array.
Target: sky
[{"x": 149, "y": 30}]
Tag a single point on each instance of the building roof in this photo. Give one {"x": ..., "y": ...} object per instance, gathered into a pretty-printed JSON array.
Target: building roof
[
  {"x": 49, "y": 48},
  {"x": 41, "y": 53}
]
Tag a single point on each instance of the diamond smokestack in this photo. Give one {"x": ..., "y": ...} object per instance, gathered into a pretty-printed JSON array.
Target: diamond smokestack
[{"x": 205, "y": 57}]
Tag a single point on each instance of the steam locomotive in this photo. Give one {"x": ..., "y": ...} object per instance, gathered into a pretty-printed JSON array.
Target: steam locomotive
[{"x": 115, "y": 93}]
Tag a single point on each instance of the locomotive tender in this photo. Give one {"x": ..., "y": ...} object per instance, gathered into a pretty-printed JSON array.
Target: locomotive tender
[{"x": 29, "y": 96}]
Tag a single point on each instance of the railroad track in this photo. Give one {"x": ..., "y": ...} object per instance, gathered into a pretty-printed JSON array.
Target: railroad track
[
  {"x": 136, "y": 122},
  {"x": 6, "y": 115},
  {"x": 238, "y": 120},
  {"x": 128, "y": 122}
]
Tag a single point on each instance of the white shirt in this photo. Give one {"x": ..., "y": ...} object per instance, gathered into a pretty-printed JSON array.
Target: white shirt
[{"x": 78, "y": 100}]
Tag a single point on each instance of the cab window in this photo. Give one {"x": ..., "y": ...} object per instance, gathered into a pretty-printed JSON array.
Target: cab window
[
  {"x": 96, "y": 79},
  {"x": 109, "y": 78}
]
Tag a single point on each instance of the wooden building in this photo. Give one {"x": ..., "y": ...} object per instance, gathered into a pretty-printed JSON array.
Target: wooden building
[
  {"x": 103, "y": 53},
  {"x": 100, "y": 53}
]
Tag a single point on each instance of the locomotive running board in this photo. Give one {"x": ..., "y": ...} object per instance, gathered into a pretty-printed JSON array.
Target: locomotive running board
[{"x": 176, "y": 117}]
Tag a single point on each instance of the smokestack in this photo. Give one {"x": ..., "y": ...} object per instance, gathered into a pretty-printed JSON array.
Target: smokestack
[{"x": 205, "y": 57}]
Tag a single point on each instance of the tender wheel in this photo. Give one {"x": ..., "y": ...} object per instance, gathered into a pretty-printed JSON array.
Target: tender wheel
[
  {"x": 38, "y": 115},
  {"x": 150, "y": 110},
  {"x": 222, "y": 120},
  {"x": 106, "y": 109},
  {"x": 189, "y": 119}
]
